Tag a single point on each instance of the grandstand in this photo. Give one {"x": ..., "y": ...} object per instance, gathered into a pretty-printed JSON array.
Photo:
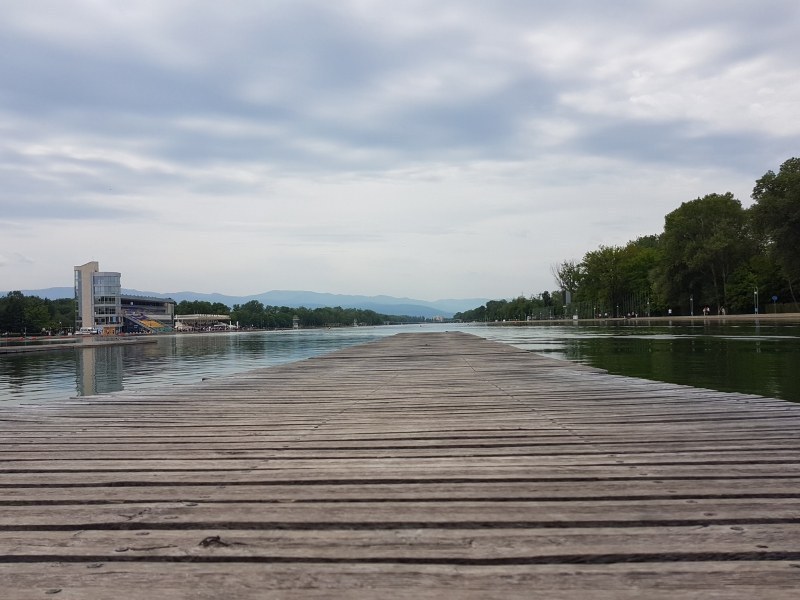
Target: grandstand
[
  {"x": 102, "y": 305},
  {"x": 142, "y": 324},
  {"x": 146, "y": 314}
]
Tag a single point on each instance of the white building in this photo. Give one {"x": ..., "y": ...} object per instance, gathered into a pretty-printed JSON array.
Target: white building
[{"x": 98, "y": 298}]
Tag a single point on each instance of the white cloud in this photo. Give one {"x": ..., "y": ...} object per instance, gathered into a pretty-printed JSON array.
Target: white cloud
[{"x": 418, "y": 149}]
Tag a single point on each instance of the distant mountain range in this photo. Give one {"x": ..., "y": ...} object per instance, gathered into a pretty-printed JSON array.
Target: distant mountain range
[{"x": 387, "y": 305}]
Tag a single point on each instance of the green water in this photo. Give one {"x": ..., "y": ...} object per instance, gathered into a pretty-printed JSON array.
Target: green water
[{"x": 752, "y": 358}]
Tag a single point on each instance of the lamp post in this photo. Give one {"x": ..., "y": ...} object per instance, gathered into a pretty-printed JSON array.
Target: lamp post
[
  {"x": 691, "y": 305},
  {"x": 755, "y": 299}
]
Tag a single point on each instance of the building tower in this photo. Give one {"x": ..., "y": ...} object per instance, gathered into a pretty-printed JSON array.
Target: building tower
[{"x": 97, "y": 298}]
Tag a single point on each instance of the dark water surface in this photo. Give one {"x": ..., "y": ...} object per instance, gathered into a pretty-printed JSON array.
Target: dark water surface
[
  {"x": 748, "y": 357},
  {"x": 755, "y": 358},
  {"x": 173, "y": 359}
]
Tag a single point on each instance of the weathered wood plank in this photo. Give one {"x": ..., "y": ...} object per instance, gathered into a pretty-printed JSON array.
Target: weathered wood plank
[
  {"x": 365, "y": 472},
  {"x": 391, "y": 514},
  {"x": 424, "y": 465},
  {"x": 399, "y": 458},
  {"x": 240, "y": 491},
  {"x": 442, "y": 544},
  {"x": 668, "y": 580}
]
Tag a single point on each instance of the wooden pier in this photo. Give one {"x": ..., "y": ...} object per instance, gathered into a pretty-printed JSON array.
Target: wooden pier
[{"x": 425, "y": 465}]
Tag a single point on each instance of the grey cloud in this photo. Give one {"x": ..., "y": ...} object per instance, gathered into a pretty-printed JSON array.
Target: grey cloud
[
  {"x": 15, "y": 258},
  {"x": 63, "y": 209},
  {"x": 232, "y": 106},
  {"x": 112, "y": 93},
  {"x": 315, "y": 56},
  {"x": 676, "y": 143}
]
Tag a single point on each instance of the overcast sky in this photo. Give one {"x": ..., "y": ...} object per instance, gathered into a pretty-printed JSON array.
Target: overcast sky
[{"x": 429, "y": 149}]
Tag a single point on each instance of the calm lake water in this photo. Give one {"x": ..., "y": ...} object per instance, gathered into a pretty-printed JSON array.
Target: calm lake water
[
  {"x": 747, "y": 357},
  {"x": 744, "y": 357}
]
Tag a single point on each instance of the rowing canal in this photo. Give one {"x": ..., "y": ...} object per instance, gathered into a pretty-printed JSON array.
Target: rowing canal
[{"x": 745, "y": 357}]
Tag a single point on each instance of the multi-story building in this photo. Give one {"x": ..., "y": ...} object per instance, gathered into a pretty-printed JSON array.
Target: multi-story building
[
  {"x": 101, "y": 305},
  {"x": 97, "y": 298}
]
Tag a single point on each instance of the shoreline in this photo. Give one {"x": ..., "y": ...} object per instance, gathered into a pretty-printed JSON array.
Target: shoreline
[
  {"x": 76, "y": 344},
  {"x": 71, "y": 343},
  {"x": 780, "y": 317}
]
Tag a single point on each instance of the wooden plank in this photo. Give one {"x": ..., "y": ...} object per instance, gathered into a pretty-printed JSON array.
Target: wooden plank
[
  {"x": 402, "y": 544},
  {"x": 229, "y": 491},
  {"x": 168, "y": 459},
  {"x": 423, "y": 465},
  {"x": 699, "y": 580},
  {"x": 393, "y": 514},
  {"x": 704, "y": 476}
]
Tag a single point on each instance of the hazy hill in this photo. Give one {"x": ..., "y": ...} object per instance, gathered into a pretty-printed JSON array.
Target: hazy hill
[{"x": 388, "y": 305}]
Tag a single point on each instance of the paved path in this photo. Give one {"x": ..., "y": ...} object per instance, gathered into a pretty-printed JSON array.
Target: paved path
[{"x": 430, "y": 465}]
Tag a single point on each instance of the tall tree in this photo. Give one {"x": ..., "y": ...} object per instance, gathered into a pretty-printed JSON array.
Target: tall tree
[
  {"x": 250, "y": 314},
  {"x": 704, "y": 242},
  {"x": 603, "y": 282},
  {"x": 776, "y": 216},
  {"x": 12, "y": 313},
  {"x": 37, "y": 317},
  {"x": 201, "y": 307},
  {"x": 568, "y": 275}
]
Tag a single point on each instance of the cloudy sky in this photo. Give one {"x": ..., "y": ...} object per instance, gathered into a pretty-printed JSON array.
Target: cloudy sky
[{"x": 430, "y": 149}]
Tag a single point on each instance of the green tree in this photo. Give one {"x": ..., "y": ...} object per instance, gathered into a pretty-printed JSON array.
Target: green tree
[
  {"x": 603, "y": 282},
  {"x": 250, "y": 314},
  {"x": 62, "y": 313},
  {"x": 640, "y": 263},
  {"x": 496, "y": 310},
  {"x": 776, "y": 217},
  {"x": 761, "y": 273},
  {"x": 704, "y": 242},
  {"x": 201, "y": 307},
  {"x": 37, "y": 317},
  {"x": 568, "y": 275},
  {"x": 34, "y": 315},
  {"x": 12, "y": 315},
  {"x": 518, "y": 309}
]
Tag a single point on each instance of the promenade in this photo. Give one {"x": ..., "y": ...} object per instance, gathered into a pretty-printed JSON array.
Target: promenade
[
  {"x": 74, "y": 343},
  {"x": 423, "y": 465},
  {"x": 763, "y": 318}
]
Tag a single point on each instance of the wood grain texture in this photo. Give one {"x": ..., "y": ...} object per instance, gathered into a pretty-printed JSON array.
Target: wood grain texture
[{"x": 425, "y": 465}]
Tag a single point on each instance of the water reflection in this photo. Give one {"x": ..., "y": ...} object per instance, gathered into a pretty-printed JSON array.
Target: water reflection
[
  {"x": 752, "y": 358},
  {"x": 755, "y": 359},
  {"x": 99, "y": 370}
]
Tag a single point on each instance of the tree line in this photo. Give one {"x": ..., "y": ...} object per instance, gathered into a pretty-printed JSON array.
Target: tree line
[
  {"x": 713, "y": 256},
  {"x": 32, "y": 315},
  {"x": 254, "y": 314}
]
